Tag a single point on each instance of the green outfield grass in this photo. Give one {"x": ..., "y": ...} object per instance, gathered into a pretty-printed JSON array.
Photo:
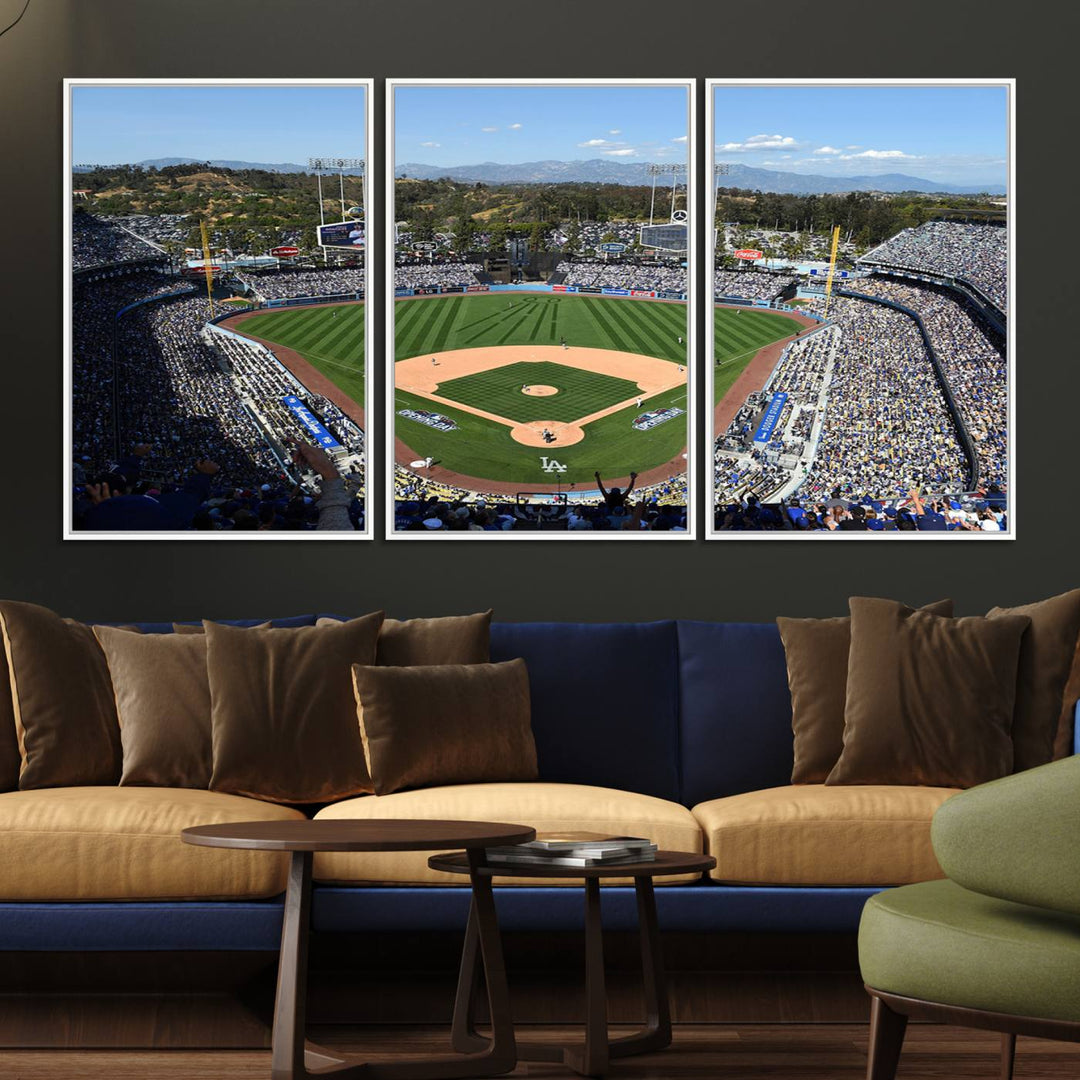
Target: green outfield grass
[
  {"x": 330, "y": 338},
  {"x": 500, "y": 391},
  {"x": 483, "y": 448},
  {"x": 480, "y": 320},
  {"x": 740, "y": 333}
]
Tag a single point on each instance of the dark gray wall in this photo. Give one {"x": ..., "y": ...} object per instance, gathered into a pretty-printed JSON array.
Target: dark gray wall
[{"x": 523, "y": 580}]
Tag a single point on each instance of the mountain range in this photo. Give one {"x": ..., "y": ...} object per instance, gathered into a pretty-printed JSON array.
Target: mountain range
[
  {"x": 745, "y": 177},
  {"x": 600, "y": 171}
]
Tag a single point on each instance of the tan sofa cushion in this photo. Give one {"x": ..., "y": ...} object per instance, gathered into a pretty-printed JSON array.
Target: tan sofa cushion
[
  {"x": 123, "y": 843},
  {"x": 810, "y": 834},
  {"x": 546, "y": 807}
]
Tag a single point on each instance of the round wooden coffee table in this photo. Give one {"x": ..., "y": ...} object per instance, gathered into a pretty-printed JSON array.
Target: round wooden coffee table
[
  {"x": 591, "y": 1058},
  {"x": 291, "y": 1057}
]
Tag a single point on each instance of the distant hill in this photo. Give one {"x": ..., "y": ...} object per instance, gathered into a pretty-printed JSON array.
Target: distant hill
[
  {"x": 221, "y": 163},
  {"x": 598, "y": 171}
]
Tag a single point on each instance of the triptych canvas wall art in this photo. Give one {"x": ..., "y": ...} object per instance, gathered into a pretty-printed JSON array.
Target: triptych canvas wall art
[{"x": 545, "y": 246}]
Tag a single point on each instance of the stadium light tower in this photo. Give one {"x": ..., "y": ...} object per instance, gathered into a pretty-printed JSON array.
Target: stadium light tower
[
  {"x": 319, "y": 164},
  {"x": 674, "y": 170}
]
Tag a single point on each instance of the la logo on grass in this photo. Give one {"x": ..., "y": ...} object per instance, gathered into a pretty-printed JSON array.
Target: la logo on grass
[{"x": 552, "y": 466}]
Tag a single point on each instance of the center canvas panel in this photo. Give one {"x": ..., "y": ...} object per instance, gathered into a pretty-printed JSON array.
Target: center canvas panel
[{"x": 542, "y": 370}]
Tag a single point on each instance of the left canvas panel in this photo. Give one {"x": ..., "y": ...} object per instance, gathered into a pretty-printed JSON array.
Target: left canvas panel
[{"x": 215, "y": 295}]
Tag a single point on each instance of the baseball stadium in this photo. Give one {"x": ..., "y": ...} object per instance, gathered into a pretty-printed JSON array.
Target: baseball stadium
[
  {"x": 217, "y": 391},
  {"x": 526, "y": 396},
  {"x": 887, "y": 410}
]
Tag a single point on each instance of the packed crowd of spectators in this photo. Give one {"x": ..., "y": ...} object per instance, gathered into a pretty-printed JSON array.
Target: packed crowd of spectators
[
  {"x": 974, "y": 253},
  {"x": 865, "y": 418},
  {"x": 167, "y": 436},
  {"x": 422, "y": 504},
  {"x": 157, "y": 228},
  {"x": 96, "y": 242},
  {"x": 623, "y": 275},
  {"x": 750, "y": 284},
  {"x": 282, "y": 284},
  {"x": 418, "y": 274},
  {"x": 972, "y": 356},
  {"x": 983, "y": 512}
]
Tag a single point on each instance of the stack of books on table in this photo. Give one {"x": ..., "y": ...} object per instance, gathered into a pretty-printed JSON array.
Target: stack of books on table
[{"x": 575, "y": 849}]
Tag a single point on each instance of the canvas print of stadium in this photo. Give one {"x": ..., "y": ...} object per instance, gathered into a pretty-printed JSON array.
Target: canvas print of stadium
[
  {"x": 860, "y": 349},
  {"x": 539, "y": 241},
  {"x": 215, "y": 294}
]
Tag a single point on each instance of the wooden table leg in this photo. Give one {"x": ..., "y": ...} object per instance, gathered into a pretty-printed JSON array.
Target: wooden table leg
[
  {"x": 290, "y": 1012},
  {"x": 464, "y": 1037},
  {"x": 294, "y": 1059},
  {"x": 656, "y": 1034},
  {"x": 592, "y": 1059}
]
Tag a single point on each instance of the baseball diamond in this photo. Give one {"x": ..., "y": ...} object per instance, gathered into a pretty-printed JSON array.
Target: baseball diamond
[{"x": 522, "y": 373}]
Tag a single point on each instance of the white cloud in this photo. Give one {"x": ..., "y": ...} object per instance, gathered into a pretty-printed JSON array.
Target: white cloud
[
  {"x": 854, "y": 146},
  {"x": 626, "y": 151},
  {"x": 880, "y": 155},
  {"x": 430, "y": 144},
  {"x": 595, "y": 142},
  {"x": 515, "y": 127},
  {"x": 615, "y": 131},
  {"x": 489, "y": 129},
  {"x": 679, "y": 138},
  {"x": 827, "y": 150},
  {"x": 761, "y": 142}
]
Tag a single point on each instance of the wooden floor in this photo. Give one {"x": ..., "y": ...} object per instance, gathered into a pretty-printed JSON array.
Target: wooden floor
[{"x": 700, "y": 1052}]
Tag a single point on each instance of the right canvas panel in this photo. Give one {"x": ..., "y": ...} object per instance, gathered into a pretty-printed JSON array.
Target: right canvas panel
[{"x": 859, "y": 339}]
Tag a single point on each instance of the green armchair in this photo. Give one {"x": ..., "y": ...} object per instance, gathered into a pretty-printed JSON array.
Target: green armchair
[{"x": 997, "y": 944}]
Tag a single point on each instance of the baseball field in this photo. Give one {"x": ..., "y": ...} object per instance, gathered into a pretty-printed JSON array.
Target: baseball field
[
  {"x": 505, "y": 368},
  {"x": 740, "y": 334},
  {"x": 330, "y": 337}
]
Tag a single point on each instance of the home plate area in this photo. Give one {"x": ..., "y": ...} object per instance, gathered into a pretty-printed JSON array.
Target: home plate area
[{"x": 545, "y": 394}]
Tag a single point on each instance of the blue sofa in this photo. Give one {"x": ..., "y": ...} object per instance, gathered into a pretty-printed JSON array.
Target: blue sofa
[{"x": 685, "y": 712}]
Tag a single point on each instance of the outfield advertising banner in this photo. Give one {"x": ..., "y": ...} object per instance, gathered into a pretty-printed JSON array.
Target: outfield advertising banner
[
  {"x": 558, "y": 288},
  {"x": 426, "y": 290},
  {"x": 671, "y": 296},
  {"x": 318, "y": 434},
  {"x": 615, "y": 292},
  {"x": 643, "y": 292},
  {"x": 403, "y": 292},
  {"x": 589, "y": 289},
  {"x": 453, "y": 288},
  {"x": 476, "y": 288}
]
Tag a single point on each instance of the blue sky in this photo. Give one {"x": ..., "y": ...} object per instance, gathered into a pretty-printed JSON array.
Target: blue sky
[
  {"x": 114, "y": 125},
  {"x": 955, "y": 134},
  {"x": 464, "y": 125}
]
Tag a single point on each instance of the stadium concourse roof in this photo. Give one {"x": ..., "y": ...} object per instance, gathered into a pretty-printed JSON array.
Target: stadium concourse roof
[{"x": 241, "y": 262}]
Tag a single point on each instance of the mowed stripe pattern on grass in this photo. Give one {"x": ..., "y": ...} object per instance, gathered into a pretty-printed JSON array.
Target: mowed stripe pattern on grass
[
  {"x": 485, "y": 448},
  {"x": 740, "y": 333},
  {"x": 330, "y": 338},
  {"x": 429, "y": 326},
  {"x": 499, "y": 391}
]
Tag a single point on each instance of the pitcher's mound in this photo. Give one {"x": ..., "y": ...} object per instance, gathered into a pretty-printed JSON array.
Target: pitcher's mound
[
  {"x": 540, "y": 391},
  {"x": 532, "y": 433}
]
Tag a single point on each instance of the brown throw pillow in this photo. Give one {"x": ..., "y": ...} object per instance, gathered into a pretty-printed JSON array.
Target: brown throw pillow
[
  {"x": 9, "y": 739},
  {"x": 453, "y": 639},
  {"x": 1046, "y": 657},
  {"x": 163, "y": 702},
  {"x": 197, "y": 628},
  {"x": 447, "y": 724},
  {"x": 929, "y": 699},
  {"x": 817, "y": 661},
  {"x": 282, "y": 710},
  {"x": 62, "y": 698}
]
